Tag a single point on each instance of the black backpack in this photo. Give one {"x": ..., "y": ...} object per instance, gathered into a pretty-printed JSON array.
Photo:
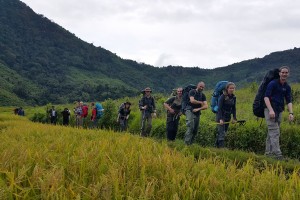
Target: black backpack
[
  {"x": 185, "y": 96},
  {"x": 259, "y": 103}
]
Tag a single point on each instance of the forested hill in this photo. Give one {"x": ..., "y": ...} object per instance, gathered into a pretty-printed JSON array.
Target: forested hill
[{"x": 41, "y": 62}]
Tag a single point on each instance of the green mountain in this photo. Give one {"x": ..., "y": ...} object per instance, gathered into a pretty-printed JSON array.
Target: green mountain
[{"x": 41, "y": 62}]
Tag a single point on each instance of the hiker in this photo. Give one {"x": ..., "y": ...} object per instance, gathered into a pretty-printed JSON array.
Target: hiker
[
  {"x": 197, "y": 102},
  {"x": 66, "y": 116},
  {"x": 84, "y": 114},
  {"x": 123, "y": 115},
  {"x": 226, "y": 108},
  {"x": 147, "y": 108},
  {"x": 173, "y": 106},
  {"x": 21, "y": 112},
  {"x": 277, "y": 91},
  {"x": 53, "y": 115},
  {"x": 16, "y": 111},
  {"x": 78, "y": 114}
]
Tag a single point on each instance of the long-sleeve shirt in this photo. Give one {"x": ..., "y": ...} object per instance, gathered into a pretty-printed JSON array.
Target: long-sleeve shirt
[
  {"x": 149, "y": 102},
  {"x": 226, "y": 107}
]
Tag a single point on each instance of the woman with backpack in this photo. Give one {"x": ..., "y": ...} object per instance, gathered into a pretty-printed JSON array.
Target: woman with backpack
[
  {"x": 173, "y": 106},
  {"x": 226, "y": 108},
  {"x": 123, "y": 115}
]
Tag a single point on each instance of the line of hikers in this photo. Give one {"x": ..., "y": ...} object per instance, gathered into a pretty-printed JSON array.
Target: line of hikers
[
  {"x": 269, "y": 102},
  {"x": 273, "y": 93}
]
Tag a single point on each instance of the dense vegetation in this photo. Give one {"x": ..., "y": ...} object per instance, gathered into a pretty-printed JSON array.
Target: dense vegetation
[{"x": 41, "y": 62}]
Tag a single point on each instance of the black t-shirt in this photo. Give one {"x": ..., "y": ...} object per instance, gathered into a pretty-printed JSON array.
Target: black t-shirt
[{"x": 199, "y": 96}]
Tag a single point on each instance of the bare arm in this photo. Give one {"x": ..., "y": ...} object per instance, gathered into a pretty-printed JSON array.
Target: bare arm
[
  {"x": 268, "y": 104},
  {"x": 291, "y": 114},
  {"x": 168, "y": 107},
  {"x": 194, "y": 101},
  {"x": 204, "y": 106}
]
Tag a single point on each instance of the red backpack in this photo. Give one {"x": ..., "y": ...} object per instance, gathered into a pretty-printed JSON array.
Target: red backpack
[{"x": 85, "y": 110}]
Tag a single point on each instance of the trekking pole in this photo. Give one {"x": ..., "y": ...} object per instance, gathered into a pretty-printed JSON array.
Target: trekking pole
[{"x": 240, "y": 122}]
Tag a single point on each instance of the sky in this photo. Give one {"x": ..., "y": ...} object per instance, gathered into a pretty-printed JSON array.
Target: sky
[{"x": 188, "y": 33}]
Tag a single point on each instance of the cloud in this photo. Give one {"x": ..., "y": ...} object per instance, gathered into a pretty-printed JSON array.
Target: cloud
[
  {"x": 161, "y": 60},
  {"x": 174, "y": 32}
]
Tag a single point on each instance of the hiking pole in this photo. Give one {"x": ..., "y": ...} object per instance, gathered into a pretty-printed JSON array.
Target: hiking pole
[{"x": 240, "y": 122}]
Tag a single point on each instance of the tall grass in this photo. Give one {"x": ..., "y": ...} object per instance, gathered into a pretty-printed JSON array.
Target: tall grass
[{"x": 40, "y": 161}]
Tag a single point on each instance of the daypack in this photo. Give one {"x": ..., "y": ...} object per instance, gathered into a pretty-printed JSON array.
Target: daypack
[
  {"x": 259, "y": 103},
  {"x": 85, "y": 111},
  {"x": 99, "y": 110},
  {"x": 218, "y": 91},
  {"x": 185, "y": 96}
]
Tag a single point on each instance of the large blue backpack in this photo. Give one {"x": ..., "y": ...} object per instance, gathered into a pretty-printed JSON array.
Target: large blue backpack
[
  {"x": 99, "y": 110},
  {"x": 259, "y": 103},
  {"x": 218, "y": 91}
]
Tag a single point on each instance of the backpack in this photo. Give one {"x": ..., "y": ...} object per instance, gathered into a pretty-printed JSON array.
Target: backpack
[
  {"x": 99, "y": 110},
  {"x": 185, "y": 97},
  {"x": 218, "y": 91},
  {"x": 259, "y": 103},
  {"x": 85, "y": 111}
]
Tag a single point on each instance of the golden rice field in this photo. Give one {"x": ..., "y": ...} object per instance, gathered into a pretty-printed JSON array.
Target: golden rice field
[{"x": 41, "y": 161}]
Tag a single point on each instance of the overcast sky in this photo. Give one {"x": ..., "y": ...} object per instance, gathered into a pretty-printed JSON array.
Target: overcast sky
[{"x": 189, "y": 33}]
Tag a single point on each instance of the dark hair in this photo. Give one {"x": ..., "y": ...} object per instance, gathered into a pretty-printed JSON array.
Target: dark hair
[{"x": 284, "y": 67}]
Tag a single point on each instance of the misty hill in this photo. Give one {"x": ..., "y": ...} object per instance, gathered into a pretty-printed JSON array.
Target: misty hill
[{"x": 41, "y": 62}]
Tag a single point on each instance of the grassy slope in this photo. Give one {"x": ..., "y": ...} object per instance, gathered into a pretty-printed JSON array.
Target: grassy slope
[{"x": 44, "y": 161}]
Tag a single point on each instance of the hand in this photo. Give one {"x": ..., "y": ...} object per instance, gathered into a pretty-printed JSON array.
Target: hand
[
  {"x": 291, "y": 117},
  {"x": 127, "y": 116},
  {"x": 172, "y": 111},
  {"x": 221, "y": 122},
  {"x": 233, "y": 121},
  {"x": 144, "y": 107},
  {"x": 272, "y": 114},
  {"x": 154, "y": 115},
  {"x": 196, "y": 109}
]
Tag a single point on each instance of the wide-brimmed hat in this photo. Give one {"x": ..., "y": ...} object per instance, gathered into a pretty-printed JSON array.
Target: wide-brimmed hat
[{"x": 147, "y": 89}]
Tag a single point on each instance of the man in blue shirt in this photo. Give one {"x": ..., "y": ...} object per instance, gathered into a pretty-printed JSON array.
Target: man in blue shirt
[
  {"x": 197, "y": 102},
  {"x": 277, "y": 91}
]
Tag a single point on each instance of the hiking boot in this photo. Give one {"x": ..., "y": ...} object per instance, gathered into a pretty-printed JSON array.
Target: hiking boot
[{"x": 279, "y": 157}]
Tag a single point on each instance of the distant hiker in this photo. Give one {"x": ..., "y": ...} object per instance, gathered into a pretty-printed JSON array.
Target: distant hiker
[
  {"x": 147, "y": 108},
  {"x": 16, "y": 110},
  {"x": 226, "y": 108},
  {"x": 173, "y": 106},
  {"x": 66, "y": 116},
  {"x": 277, "y": 91},
  {"x": 85, "y": 112},
  {"x": 21, "y": 112},
  {"x": 94, "y": 115},
  {"x": 197, "y": 102},
  {"x": 53, "y": 115},
  {"x": 123, "y": 115},
  {"x": 78, "y": 114}
]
